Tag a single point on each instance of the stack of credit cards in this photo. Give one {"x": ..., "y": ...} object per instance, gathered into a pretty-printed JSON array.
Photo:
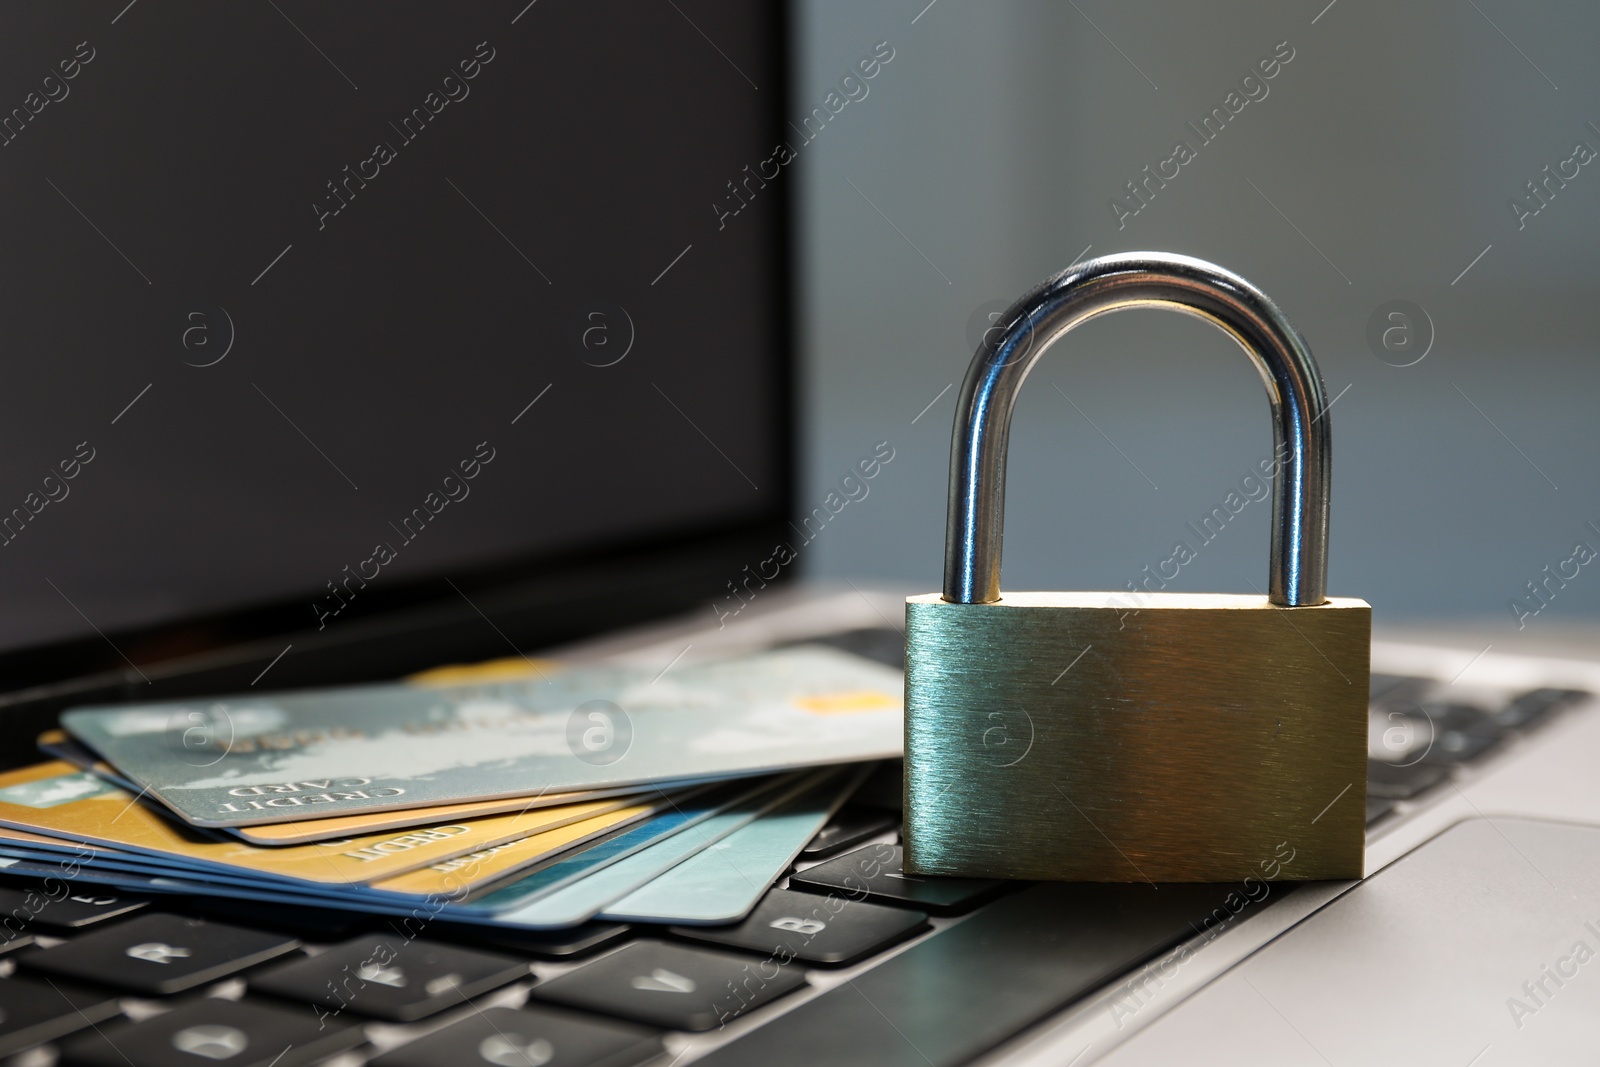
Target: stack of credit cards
[{"x": 539, "y": 802}]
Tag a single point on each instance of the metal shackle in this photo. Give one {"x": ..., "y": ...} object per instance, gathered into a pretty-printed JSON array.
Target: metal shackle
[{"x": 1299, "y": 556}]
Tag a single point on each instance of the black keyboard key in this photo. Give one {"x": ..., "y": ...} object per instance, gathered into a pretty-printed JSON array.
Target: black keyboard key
[
  {"x": 874, "y": 873},
  {"x": 972, "y": 985},
  {"x": 828, "y": 931},
  {"x": 672, "y": 987},
  {"x": 1446, "y": 717},
  {"x": 388, "y": 977},
  {"x": 157, "y": 954},
  {"x": 884, "y": 788},
  {"x": 11, "y": 940},
  {"x": 1443, "y": 734},
  {"x": 1377, "y": 808},
  {"x": 303, "y": 921},
  {"x": 1527, "y": 709},
  {"x": 535, "y": 1036},
  {"x": 849, "y": 826},
  {"x": 49, "y": 907},
  {"x": 33, "y": 1012},
  {"x": 1459, "y": 746},
  {"x": 1452, "y": 745},
  {"x": 1383, "y": 688},
  {"x": 571, "y": 943},
  {"x": 238, "y": 1033},
  {"x": 1392, "y": 781}
]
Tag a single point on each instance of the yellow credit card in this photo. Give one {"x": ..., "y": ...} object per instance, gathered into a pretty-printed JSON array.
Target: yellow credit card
[
  {"x": 60, "y": 744},
  {"x": 60, "y": 844},
  {"x": 58, "y": 799},
  {"x": 467, "y": 873},
  {"x": 489, "y": 672},
  {"x": 296, "y": 833}
]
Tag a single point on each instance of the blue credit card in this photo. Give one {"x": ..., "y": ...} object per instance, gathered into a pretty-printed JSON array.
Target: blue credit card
[
  {"x": 149, "y": 881},
  {"x": 143, "y": 878},
  {"x": 723, "y": 883}
]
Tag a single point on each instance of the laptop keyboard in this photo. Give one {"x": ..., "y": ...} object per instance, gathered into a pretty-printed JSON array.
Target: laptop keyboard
[{"x": 942, "y": 970}]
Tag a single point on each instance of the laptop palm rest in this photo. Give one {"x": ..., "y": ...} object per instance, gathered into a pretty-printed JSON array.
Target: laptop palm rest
[{"x": 1481, "y": 946}]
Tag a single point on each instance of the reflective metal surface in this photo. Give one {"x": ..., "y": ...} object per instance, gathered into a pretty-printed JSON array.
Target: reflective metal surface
[
  {"x": 1076, "y": 736},
  {"x": 1298, "y": 566}
]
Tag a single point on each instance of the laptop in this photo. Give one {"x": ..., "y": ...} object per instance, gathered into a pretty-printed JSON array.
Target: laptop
[{"x": 352, "y": 341}]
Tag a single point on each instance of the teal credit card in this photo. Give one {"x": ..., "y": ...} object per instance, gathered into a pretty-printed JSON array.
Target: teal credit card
[
  {"x": 723, "y": 883},
  {"x": 582, "y": 900},
  {"x": 583, "y": 862},
  {"x": 288, "y": 757}
]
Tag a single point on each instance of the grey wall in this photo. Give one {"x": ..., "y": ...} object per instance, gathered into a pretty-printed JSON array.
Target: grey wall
[{"x": 989, "y": 148}]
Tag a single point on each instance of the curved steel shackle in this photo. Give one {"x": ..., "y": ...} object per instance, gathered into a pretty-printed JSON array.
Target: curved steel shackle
[{"x": 1299, "y": 560}]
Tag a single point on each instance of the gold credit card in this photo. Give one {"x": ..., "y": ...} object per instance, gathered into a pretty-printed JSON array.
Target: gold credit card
[
  {"x": 55, "y": 844},
  {"x": 61, "y": 745},
  {"x": 59, "y": 800},
  {"x": 296, "y": 833},
  {"x": 488, "y": 672},
  {"x": 467, "y": 873}
]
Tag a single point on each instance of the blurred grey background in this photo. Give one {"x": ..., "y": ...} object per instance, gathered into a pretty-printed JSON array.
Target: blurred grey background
[{"x": 1378, "y": 167}]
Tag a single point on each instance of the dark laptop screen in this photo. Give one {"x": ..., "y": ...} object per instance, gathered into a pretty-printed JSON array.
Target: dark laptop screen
[{"x": 304, "y": 302}]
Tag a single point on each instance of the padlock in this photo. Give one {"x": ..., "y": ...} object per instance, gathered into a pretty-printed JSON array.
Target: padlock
[{"x": 1137, "y": 735}]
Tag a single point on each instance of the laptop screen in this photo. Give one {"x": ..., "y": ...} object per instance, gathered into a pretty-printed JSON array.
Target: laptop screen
[{"x": 307, "y": 302}]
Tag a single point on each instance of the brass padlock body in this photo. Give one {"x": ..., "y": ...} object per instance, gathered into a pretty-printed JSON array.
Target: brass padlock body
[{"x": 1190, "y": 738}]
